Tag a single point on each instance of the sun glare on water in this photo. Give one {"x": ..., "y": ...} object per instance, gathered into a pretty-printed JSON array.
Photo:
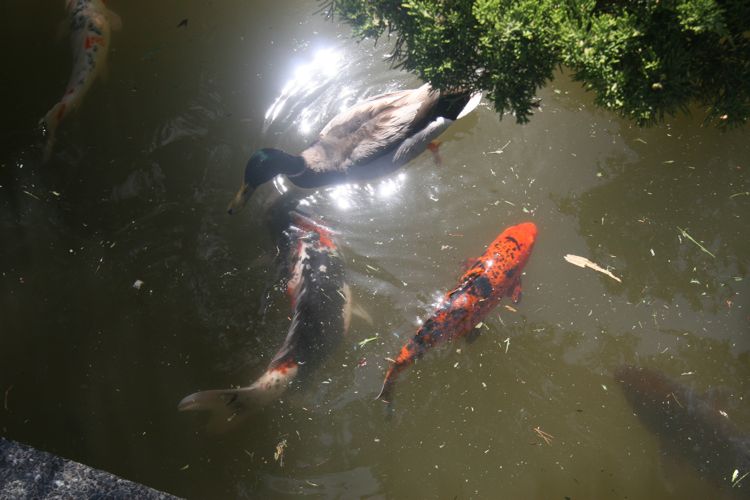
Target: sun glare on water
[{"x": 308, "y": 79}]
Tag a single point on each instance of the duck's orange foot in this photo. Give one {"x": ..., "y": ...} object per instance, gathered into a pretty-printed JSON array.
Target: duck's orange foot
[{"x": 434, "y": 146}]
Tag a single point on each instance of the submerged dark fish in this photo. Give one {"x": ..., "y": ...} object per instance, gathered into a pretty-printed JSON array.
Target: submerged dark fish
[
  {"x": 689, "y": 426},
  {"x": 494, "y": 275},
  {"x": 320, "y": 300}
]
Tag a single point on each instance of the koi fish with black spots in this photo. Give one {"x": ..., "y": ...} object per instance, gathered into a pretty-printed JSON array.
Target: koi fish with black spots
[
  {"x": 90, "y": 25},
  {"x": 321, "y": 303},
  {"x": 494, "y": 275}
]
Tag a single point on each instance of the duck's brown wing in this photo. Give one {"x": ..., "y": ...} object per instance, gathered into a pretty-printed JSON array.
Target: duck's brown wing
[{"x": 370, "y": 129}]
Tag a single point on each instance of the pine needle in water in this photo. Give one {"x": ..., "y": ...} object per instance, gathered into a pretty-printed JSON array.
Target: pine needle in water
[
  {"x": 686, "y": 235},
  {"x": 366, "y": 341}
]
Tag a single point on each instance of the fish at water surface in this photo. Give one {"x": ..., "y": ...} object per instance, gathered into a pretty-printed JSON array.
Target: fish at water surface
[
  {"x": 91, "y": 23},
  {"x": 494, "y": 275},
  {"x": 320, "y": 299},
  {"x": 689, "y": 426}
]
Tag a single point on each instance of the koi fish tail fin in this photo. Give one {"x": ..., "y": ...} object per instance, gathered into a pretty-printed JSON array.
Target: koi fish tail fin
[
  {"x": 361, "y": 313},
  {"x": 48, "y": 146},
  {"x": 386, "y": 392},
  {"x": 227, "y": 407},
  {"x": 48, "y": 127}
]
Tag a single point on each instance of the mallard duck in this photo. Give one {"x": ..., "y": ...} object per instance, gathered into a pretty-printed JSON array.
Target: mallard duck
[{"x": 372, "y": 138}]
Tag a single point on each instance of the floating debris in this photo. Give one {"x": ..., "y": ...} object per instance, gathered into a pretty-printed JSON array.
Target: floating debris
[
  {"x": 138, "y": 284},
  {"x": 737, "y": 482},
  {"x": 544, "y": 435},
  {"x": 579, "y": 261},
  {"x": 499, "y": 151},
  {"x": 366, "y": 341},
  {"x": 686, "y": 235},
  {"x": 278, "y": 455},
  {"x": 31, "y": 195}
]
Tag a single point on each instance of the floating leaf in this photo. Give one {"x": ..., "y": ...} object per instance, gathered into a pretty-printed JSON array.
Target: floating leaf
[{"x": 579, "y": 261}]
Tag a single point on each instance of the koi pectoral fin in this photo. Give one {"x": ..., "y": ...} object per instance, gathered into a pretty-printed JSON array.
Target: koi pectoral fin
[
  {"x": 361, "y": 313},
  {"x": 473, "y": 335},
  {"x": 516, "y": 292},
  {"x": 469, "y": 263},
  {"x": 227, "y": 407},
  {"x": 115, "y": 21}
]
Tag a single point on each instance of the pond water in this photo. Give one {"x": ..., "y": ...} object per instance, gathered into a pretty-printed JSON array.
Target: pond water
[{"x": 92, "y": 368}]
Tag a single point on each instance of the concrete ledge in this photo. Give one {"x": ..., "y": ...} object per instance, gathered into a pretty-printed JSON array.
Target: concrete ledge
[{"x": 29, "y": 473}]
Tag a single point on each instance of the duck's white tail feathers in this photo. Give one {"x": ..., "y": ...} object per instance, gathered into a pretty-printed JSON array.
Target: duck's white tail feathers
[
  {"x": 227, "y": 407},
  {"x": 471, "y": 105}
]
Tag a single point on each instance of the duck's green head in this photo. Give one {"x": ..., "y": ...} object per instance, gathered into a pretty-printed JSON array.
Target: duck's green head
[{"x": 263, "y": 165}]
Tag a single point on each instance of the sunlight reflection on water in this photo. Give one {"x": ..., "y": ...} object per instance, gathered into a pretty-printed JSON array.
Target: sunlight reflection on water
[
  {"x": 344, "y": 197},
  {"x": 308, "y": 78}
]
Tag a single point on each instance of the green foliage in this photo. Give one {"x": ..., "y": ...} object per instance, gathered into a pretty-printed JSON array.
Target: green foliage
[{"x": 644, "y": 59}]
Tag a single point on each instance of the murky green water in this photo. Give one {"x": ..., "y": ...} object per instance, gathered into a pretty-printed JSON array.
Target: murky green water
[{"x": 92, "y": 369}]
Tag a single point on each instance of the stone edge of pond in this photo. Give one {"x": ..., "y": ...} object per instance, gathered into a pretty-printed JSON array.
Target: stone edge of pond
[{"x": 26, "y": 472}]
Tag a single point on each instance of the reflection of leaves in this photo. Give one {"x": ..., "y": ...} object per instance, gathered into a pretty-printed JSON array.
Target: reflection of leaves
[{"x": 632, "y": 218}]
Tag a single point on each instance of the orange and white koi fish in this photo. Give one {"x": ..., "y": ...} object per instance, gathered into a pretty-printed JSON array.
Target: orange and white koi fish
[
  {"x": 494, "y": 275},
  {"x": 90, "y": 25},
  {"x": 321, "y": 302}
]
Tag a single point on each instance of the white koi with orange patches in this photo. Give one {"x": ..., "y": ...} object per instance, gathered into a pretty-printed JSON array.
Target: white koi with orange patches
[{"x": 91, "y": 23}]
